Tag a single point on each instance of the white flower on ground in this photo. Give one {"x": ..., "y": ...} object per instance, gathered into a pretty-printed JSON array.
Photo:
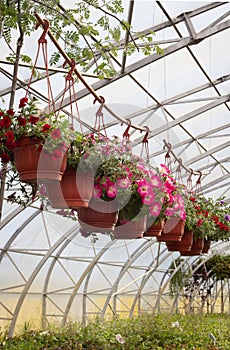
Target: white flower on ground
[{"x": 119, "y": 338}]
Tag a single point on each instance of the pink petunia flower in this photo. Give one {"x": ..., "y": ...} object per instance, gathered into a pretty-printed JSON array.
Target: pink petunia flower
[
  {"x": 124, "y": 182},
  {"x": 111, "y": 190},
  {"x": 155, "y": 209},
  {"x": 148, "y": 198},
  {"x": 97, "y": 191}
]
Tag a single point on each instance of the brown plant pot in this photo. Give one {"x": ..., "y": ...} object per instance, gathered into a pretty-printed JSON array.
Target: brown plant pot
[
  {"x": 207, "y": 244},
  {"x": 131, "y": 230},
  {"x": 173, "y": 230},
  {"x": 73, "y": 191},
  {"x": 196, "y": 248},
  {"x": 37, "y": 167},
  {"x": 99, "y": 217},
  {"x": 155, "y": 229},
  {"x": 184, "y": 245}
]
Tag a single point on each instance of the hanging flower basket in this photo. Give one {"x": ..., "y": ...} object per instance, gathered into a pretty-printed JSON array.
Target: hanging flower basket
[
  {"x": 35, "y": 165},
  {"x": 73, "y": 191},
  {"x": 99, "y": 217},
  {"x": 173, "y": 230},
  {"x": 131, "y": 230},
  {"x": 196, "y": 248},
  {"x": 184, "y": 245},
  {"x": 155, "y": 229}
]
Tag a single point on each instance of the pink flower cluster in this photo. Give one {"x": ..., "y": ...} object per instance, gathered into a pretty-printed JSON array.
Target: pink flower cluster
[{"x": 155, "y": 189}]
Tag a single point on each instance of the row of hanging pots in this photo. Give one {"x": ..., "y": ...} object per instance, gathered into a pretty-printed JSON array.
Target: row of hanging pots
[
  {"x": 177, "y": 238},
  {"x": 103, "y": 217},
  {"x": 67, "y": 188}
]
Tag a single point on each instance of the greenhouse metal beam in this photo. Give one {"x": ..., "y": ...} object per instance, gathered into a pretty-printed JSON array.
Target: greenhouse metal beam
[
  {"x": 184, "y": 42},
  {"x": 185, "y": 117},
  {"x": 32, "y": 277},
  {"x": 145, "y": 245}
]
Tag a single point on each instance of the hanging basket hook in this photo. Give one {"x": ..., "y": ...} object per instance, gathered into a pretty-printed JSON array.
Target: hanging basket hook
[
  {"x": 71, "y": 71},
  {"x": 145, "y": 138},
  {"x": 126, "y": 133},
  {"x": 45, "y": 26}
]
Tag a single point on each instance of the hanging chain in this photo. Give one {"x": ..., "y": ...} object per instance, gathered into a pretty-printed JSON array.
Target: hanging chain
[
  {"x": 145, "y": 145},
  {"x": 69, "y": 85},
  {"x": 99, "y": 120},
  {"x": 42, "y": 41}
]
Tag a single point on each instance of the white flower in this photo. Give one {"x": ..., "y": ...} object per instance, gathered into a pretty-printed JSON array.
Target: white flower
[{"x": 119, "y": 338}]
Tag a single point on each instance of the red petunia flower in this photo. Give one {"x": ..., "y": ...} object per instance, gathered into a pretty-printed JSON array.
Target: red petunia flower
[
  {"x": 10, "y": 112},
  {"x": 33, "y": 119},
  {"x": 199, "y": 222},
  {"x": 12, "y": 145},
  {"x": 10, "y": 136},
  {"x": 5, "y": 158},
  {"x": 56, "y": 154},
  {"x": 5, "y": 122},
  {"x": 45, "y": 127},
  {"x": 21, "y": 121},
  {"x": 23, "y": 102},
  {"x": 56, "y": 134}
]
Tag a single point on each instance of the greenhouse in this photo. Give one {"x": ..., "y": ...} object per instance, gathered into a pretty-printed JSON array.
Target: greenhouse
[{"x": 134, "y": 95}]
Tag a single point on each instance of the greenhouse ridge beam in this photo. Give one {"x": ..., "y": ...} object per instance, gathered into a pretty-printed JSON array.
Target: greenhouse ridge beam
[{"x": 184, "y": 42}]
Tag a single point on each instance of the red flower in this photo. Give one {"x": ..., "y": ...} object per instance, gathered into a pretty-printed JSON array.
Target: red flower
[
  {"x": 205, "y": 213},
  {"x": 39, "y": 148},
  {"x": 192, "y": 199},
  {"x": 10, "y": 136},
  {"x": 12, "y": 145},
  {"x": 21, "y": 121},
  {"x": 5, "y": 158},
  {"x": 199, "y": 222},
  {"x": 45, "y": 127},
  {"x": 1, "y": 113},
  {"x": 215, "y": 218},
  {"x": 223, "y": 226},
  {"x": 10, "y": 112},
  {"x": 23, "y": 102},
  {"x": 62, "y": 146},
  {"x": 33, "y": 119},
  {"x": 56, "y": 154},
  {"x": 5, "y": 122},
  {"x": 56, "y": 134}
]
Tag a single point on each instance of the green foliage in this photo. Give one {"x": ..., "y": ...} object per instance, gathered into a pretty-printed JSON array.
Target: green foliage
[
  {"x": 219, "y": 265},
  {"x": 147, "y": 332},
  {"x": 179, "y": 278},
  {"x": 90, "y": 28}
]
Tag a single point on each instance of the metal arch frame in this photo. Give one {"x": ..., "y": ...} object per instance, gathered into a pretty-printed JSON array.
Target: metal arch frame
[
  {"x": 17, "y": 232},
  {"x": 147, "y": 276},
  {"x": 145, "y": 245},
  {"x": 205, "y": 258},
  {"x": 32, "y": 277},
  {"x": 81, "y": 279},
  {"x": 49, "y": 272}
]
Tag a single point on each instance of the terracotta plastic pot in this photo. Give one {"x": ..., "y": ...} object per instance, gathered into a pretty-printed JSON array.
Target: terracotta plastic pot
[
  {"x": 99, "y": 217},
  {"x": 173, "y": 230},
  {"x": 38, "y": 167},
  {"x": 196, "y": 248},
  {"x": 184, "y": 245},
  {"x": 73, "y": 191},
  {"x": 131, "y": 230},
  {"x": 155, "y": 229},
  {"x": 207, "y": 244}
]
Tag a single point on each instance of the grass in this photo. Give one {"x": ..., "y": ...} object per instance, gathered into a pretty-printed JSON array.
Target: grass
[{"x": 195, "y": 332}]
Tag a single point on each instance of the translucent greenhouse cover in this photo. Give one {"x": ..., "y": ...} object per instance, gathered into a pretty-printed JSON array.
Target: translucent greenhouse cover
[{"x": 182, "y": 96}]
